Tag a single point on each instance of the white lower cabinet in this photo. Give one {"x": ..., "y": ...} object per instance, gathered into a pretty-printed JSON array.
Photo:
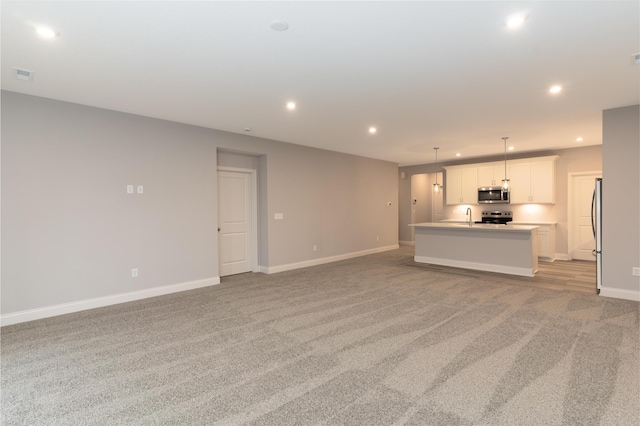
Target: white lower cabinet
[
  {"x": 546, "y": 240},
  {"x": 545, "y": 246}
]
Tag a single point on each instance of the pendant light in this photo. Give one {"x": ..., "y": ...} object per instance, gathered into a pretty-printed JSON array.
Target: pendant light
[
  {"x": 436, "y": 187},
  {"x": 505, "y": 181}
]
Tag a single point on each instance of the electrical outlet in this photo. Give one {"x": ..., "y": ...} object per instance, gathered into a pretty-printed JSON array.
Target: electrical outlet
[
  {"x": 315, "y": 247},
  {"x": 134, "y": 273},
  {"x": 378, "y": 238},
  {"x": 635, "y": 271},
  {"x": 140, "y": 189},
  {"x": 129, "y": 189}
]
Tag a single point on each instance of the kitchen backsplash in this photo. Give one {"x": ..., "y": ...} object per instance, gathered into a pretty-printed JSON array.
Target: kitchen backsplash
[{"x": 521, "y": 212}]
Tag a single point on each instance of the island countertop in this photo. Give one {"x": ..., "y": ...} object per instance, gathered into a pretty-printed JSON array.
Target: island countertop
[{"x": 475, "y": 227}]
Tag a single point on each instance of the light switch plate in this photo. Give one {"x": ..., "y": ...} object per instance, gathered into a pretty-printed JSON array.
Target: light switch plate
[
  {"x": 635, "y": 271},
  {"x": 129, "y": 189},
  {"x": 278, "y": 216}
]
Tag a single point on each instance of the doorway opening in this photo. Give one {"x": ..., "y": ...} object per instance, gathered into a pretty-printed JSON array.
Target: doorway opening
[
  {"x": 241, "y": 231},
  {"x": 426, "y": 205}
]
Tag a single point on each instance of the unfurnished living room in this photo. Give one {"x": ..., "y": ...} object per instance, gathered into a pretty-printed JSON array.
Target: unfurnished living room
[{"x": 306, "y": 213}]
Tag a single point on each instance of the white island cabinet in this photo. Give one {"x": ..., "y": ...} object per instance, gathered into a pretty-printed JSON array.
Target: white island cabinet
[{"x": 508, "y": 249}]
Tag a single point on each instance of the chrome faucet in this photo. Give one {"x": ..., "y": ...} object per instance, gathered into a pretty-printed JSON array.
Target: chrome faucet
[{"x": 469, "y": 213}]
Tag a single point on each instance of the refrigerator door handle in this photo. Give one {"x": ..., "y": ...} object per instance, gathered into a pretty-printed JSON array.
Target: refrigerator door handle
[
  {"x": 597, "y": 227},
  {"x": 593, "y": 216}
]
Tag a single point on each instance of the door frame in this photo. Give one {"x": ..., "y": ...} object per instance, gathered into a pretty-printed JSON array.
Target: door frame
[
  {"x": 570, "y": 195},
  {"x": 253, "y": 179}
]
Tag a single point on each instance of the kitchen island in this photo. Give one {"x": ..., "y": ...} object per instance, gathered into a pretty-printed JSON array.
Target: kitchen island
[{"x": 508, "y": 249}]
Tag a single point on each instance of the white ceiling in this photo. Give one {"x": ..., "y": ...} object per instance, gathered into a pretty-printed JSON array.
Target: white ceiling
[{"x": 426, "y": 74}]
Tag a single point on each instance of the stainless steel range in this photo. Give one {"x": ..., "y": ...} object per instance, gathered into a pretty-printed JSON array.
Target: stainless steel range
[{"x": 496, "y": 216}]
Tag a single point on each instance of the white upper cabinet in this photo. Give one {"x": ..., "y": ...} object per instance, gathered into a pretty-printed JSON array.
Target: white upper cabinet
[
  {"x": 543, "y": 182},
  {"x": 520, "y": 183},
  {"x": 453, "y": 186},
  {"x": 470, "y": 186},
  {"x": 533, "y": 181},
  {"x": 490, "y": 174},
  {"x": 461, "y": 186}
]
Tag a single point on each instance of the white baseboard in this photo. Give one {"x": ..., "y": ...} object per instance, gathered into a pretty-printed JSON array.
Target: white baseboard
[
  {"x": 99, "y": 302},
  {"x": 407, "y": 243},
  {"x": 620, "y": 294},
  {"x": 524, "y": 272},
  {"x": 321, "y": 261}
]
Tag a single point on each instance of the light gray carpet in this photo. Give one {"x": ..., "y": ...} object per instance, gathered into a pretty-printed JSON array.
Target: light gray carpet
[{"x": 367, "y": 341}]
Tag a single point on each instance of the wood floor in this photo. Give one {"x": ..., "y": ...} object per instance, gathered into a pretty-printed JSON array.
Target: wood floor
[{"x": 572, "y": 275}]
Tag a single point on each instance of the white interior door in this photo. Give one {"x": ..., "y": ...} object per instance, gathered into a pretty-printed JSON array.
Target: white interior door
[
  {"x": 582, "y": 240},
  {"x": 236, "y": 217}
]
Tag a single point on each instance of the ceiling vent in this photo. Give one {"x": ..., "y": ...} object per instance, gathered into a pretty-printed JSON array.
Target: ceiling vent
[{"x": 22, "y": 74}]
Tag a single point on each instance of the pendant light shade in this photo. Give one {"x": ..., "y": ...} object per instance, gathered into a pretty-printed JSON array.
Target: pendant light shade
[
  {"x": 505, "y": 181},
  {"x": 436, "y": 187}
]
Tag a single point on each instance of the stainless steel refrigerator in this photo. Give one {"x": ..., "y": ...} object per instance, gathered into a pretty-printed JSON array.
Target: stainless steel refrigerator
[{"x": 596, "y": 226}]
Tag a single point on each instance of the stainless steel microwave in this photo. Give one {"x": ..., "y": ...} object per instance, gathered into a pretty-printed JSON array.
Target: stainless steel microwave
[{"x": 493, "y": 195}]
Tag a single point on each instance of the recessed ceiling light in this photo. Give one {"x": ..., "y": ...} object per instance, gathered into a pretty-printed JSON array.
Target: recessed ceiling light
[
  {"x": 579, "y": 139},
  {"x": 45, "y": 32},
  {"x": 247, "y": 129},
  {"x": 516, "y": 20},
  {"x": 291, "y": 105},
  {"x": 555, "y": 89},
  {"x": 458, "y": 154},
  {"x": 279, "y": 25},
  {"x": 372, "y": 130},
  {"x": 511, "y": 148}
]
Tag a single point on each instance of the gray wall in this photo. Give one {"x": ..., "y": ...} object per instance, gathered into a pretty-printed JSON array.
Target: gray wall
[
  {"x": 335, "y": 201},
  {"x": 70, "y": 232},
  {"x": 573, "y": 160},
  {"x": 621, "y": 198}
]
